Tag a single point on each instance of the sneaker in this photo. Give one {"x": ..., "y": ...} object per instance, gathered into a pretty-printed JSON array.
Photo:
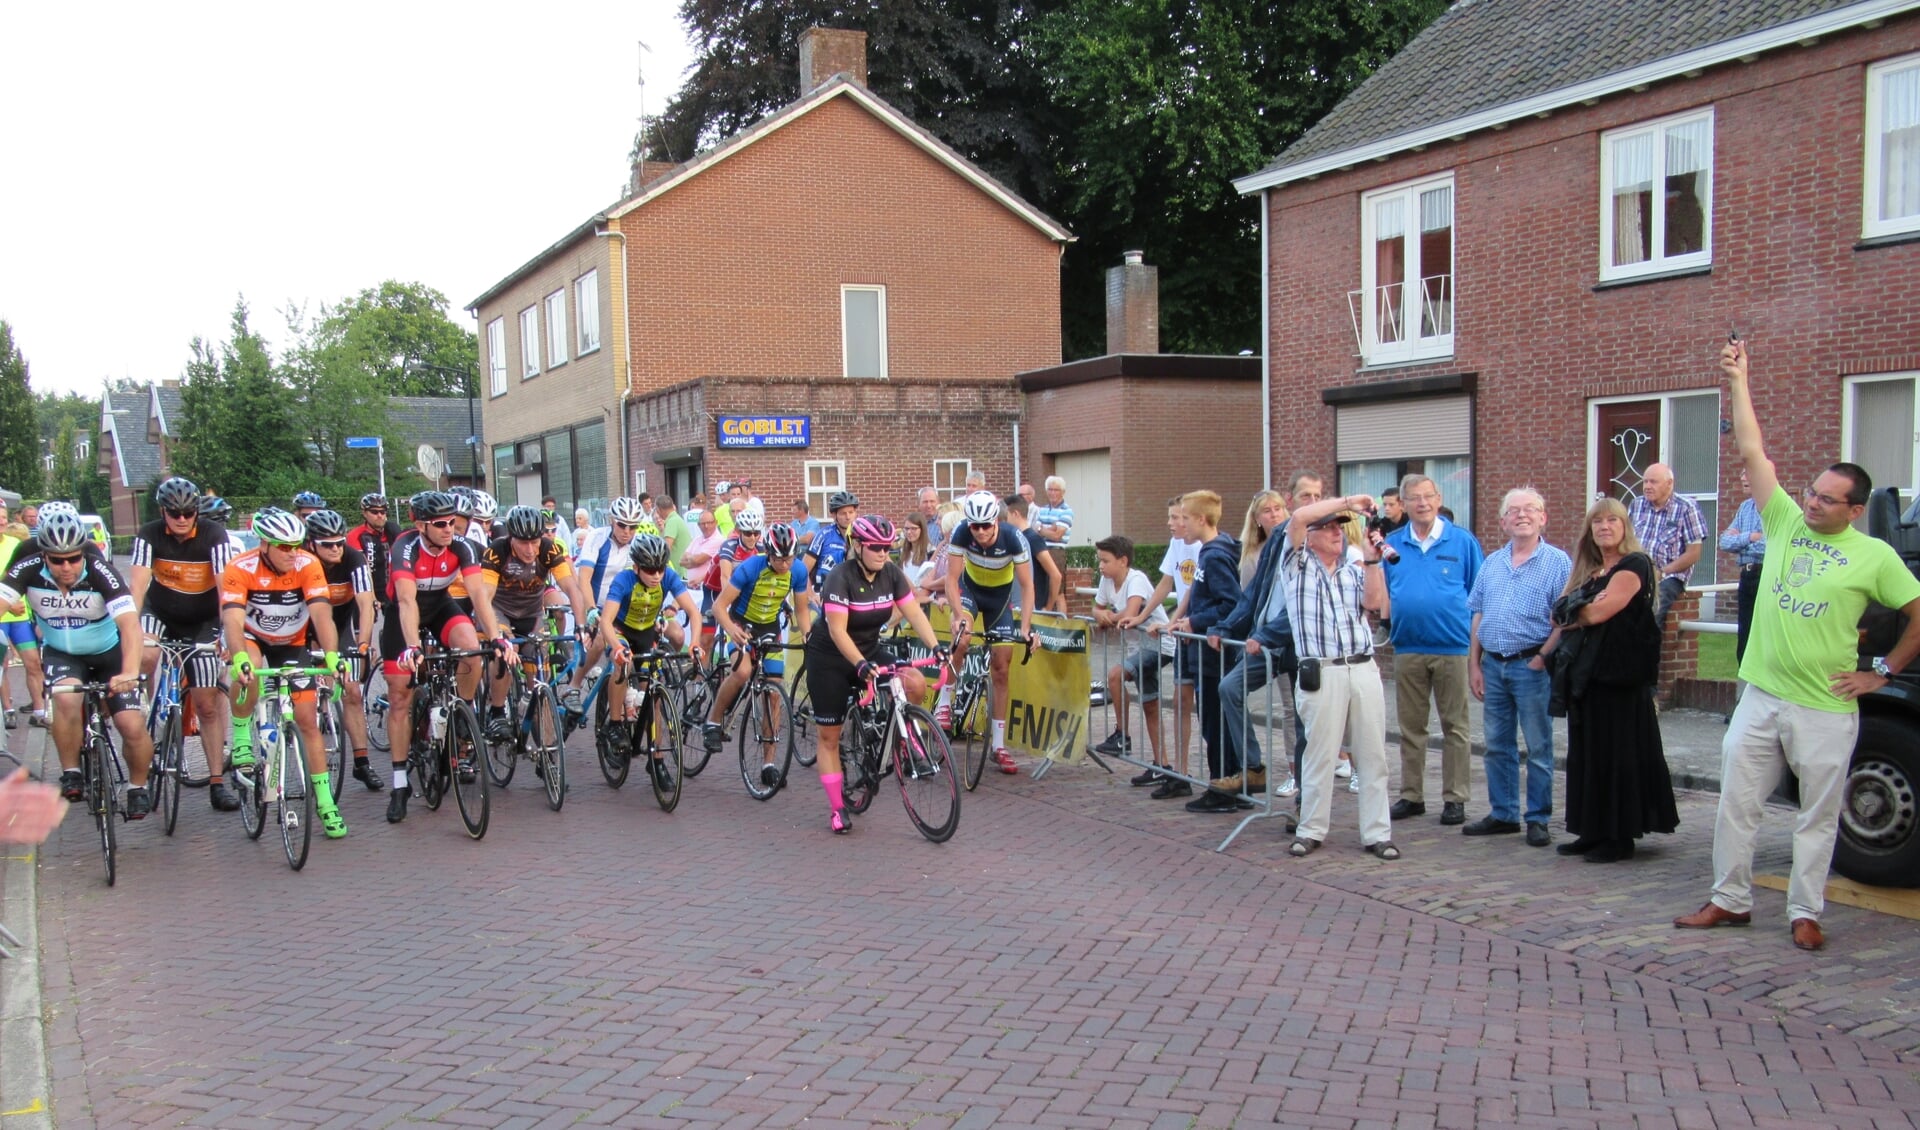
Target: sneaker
[
  {"x": 1005, "y": 761},
  {"x": 1116, "y": 745},
  {"x": 240, "y": 757},
  {"x": 38, "y": 718},
  {"x": 13, "y": 719},
  {"x": 770, "y": 776},
  {"x": 1151, "y": 776},
  {"x": 713, "y": 737},
  {"x": 1172, "y": 787},
  {"x": 463, "y": 765},
  {"x": 334, "y": 824},
  {"x": 73, "y": 786},
  {"x": 1344, "y": 769},
  {"x": 366, "y": 775},
  {"x": 139, "y": 802},
  {"x": 397, "y": 804},
  {"x": 498, "y": 728},
  {"x": 840, "y": 822},
  {"x": 1287, "y": 787},
  {"x": 572, "y": 701},
  {"x": 222, "y": 798},
  {"x": 943, "y": 716},
  {"x": 1353, "y": 784},
  {"x": 663, "y": 774}
]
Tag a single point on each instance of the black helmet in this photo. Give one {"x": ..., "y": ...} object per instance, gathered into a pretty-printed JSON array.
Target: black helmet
[
  {"x": 431, "y": 504},
  {"x": 307, "y": 499},
  {"x": 215, "y": 509},
  {"x": 373, "y": 500},
  {"x": 177, "y": 494},
  {"x": 325, "y": 524},
  {"x": 524, "y": 522},
  {"x": 649, "y": 551},
  {"x": 841, "y": 499}
]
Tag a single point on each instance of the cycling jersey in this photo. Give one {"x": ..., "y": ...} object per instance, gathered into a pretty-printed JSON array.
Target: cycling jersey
[
  {"x": 731, "y": 552},
  {"x": 433, "y": 572},
  {"x": 345, "y": 581},
  {"x": 276, "y": 603},
  {"x": 637, "y": 605},
  {"x": 763, "y": 591},
  {"x": 376, "y": 545},
  {"x": 828, "y": 549},
  {"x": 78, "y": 621},
  {"x": 521, "y": 586},
  {"x": 869, "y": 605},
  {"x": 990, "y": 566},
  {"x": 186, "y": 571},
  {"x": 605, "y": 558}
]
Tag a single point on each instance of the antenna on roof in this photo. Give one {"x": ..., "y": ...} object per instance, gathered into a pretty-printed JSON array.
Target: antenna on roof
[{"x": 640, "y": 135}]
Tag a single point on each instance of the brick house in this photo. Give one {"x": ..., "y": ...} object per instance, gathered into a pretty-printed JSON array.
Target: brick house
[
  {"x": 830, "y": 298},
  {"x": 1468, "y": 268},
  {"x": 132, "y": 455}
]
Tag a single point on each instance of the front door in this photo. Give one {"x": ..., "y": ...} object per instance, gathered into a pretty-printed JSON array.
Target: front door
[
  {"x": 1627, "y": 442},
  {"x": 1089, "y": 479}
]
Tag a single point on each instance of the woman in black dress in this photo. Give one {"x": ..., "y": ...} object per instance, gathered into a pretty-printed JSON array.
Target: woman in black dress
[{"x": 1617, "y": 784}]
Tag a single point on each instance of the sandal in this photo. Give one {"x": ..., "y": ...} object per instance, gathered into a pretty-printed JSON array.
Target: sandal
[
  {"x": 1303, "y": 848},
  {"x": 1384, "y": 849}
]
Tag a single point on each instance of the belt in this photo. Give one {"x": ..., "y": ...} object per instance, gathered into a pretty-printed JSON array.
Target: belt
[
  {"x": 1752, "y": 568},
  {"x": 1350, "y": 660},
  {"x": 1523, "y": 653}
]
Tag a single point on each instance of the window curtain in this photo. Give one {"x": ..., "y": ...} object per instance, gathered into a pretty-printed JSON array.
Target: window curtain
[
  {"x": 1436, "y": 261},
  {"x": 1689, "y": 152},
  {"x": 1389, "y": 266},
  {"x": 1632, "y": 199},
  {"x": 1900, "y": 144}
]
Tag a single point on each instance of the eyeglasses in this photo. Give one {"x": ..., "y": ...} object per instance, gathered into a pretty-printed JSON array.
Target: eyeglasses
[
  {"x": 373, "y": 510},
  {"x": 441, "y": 523},
  {"x": 1825, "y": 500},
  {"x": 881, "y": 546},
  {"x": 1518, "y": 511},
  {"x": 626, "y": 525},
  {"x": 172, "y": 513},
  {"x": 69, "y": 560},
  {"x": 335, "y": 543},
  {"x": 981, "y": 525},
  {"x": 645, "y": 569}
]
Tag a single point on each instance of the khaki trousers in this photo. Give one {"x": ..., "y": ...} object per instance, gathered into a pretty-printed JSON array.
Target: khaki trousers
[
  {"x": 1441, "y": 680},
  {"x": 1350, "y": 701}
]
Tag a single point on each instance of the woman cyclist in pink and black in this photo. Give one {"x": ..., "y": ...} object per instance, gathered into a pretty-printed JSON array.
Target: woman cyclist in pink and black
[{"x": 858, "y": 597}]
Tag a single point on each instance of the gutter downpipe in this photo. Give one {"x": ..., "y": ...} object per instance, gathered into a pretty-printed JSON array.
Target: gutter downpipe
[
  {"x": 626, "y": 349},
  {"x": 1017, "y": 477},
  {"x": 1266, "y": 354}
]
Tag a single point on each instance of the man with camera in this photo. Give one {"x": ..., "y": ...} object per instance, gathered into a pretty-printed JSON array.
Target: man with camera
[{"x": 1430, "y": 566}]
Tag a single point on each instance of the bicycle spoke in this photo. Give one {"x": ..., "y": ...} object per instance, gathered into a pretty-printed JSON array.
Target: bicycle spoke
[
  {"x": 929, "y": 787},
  {"x": 465, "y": 749},
  {"x": 550, "y": 747},
  {"x": 656, "y": 754},
  {"x": 295, "y": 805}
]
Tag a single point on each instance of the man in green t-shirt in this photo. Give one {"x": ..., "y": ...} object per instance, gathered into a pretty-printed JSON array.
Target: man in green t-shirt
[
  {"x": 1799, "y": 709},
  {"x": 673, "y": 527}
]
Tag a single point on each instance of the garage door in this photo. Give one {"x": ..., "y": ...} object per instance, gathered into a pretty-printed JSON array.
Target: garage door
[{"x": 1089, "y": 478}]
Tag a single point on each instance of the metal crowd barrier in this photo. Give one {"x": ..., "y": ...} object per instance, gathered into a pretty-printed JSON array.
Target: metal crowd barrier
[{"x": 1266, "y": 715}]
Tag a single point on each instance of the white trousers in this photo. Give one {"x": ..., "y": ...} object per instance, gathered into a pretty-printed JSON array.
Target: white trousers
[
  {"x": 1767, "y": 736},
  {"x": 1350, "y": 700}
]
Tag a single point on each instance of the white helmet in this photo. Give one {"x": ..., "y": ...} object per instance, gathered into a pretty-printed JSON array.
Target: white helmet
[
  {"x": 752, "y": 519},
  {"x": 61, "y": 532},
  {"x": 981, "y": 507},
  {"x": 626, "y": 510},
  {"x": 49, "y": 509},
  {"x": 484, "y": 507}
]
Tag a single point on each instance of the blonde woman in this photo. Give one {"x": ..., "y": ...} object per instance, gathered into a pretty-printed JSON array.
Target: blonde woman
[
  {"x": 1265, "y": 514},
  {"x": 916, "y": 550}
]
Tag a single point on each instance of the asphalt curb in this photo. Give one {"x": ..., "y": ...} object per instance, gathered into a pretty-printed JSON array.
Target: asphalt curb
[{"x": 25, "y": 1085}]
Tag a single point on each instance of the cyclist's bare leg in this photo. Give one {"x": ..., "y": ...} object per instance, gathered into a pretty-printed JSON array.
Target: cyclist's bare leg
[
  {"x": 36, "y": 681},
  {"x": 356, "y": 718},
  {"x": 306, "y": 716},
  {"x": 399, "y": 718},
  {"x": 135, "y": 744},
  {"x": 999, "y": 666},
  {"x": 210, "y": 706},
  {"x": 827, "y": 750},
  {"x": 63, "y": 722},
  {"x": 730, "y": 688},
  {"x": 462, "y": 637}
]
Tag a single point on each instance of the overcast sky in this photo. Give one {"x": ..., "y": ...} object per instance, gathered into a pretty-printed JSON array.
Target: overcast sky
[{"x": 158, "y": 160}]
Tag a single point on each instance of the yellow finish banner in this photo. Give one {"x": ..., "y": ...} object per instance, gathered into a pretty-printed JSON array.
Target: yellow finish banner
[{"x": 1047, "y": 716}]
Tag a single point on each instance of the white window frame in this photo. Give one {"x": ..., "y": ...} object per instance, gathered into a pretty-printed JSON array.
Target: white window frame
[
  {"x": 497, "y": 357},
  {"x": 530, "y": 343},
  {"x": 1412, "y": 346},
  {"x": 845, "y": 353},
  {"x": 586, "y": 306},
  {"x": 556, "y": 304},
  {"x": 1872, "y": 223},
  {"x": 1660, "y": 262},
  {"x": 1849, "y": 409},
  {"x": 832, "y": 469},
  {"x": 956, "y": 492}
]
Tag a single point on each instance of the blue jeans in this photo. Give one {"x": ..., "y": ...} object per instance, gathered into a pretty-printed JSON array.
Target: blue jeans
[
  {"x": 1242, "y": 683},
  {"x": 1517, "y": 700}
]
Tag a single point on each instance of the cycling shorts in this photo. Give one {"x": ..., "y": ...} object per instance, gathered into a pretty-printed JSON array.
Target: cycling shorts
[
  {"x": 994, "y": 606},
  {"x": 440, "y": 625},
  {"x": 202, "y": 670},
  {"x": 775, "y": 663},
  {"x": 19, "y": 633},
  {"x": 831, "y": 683},
  {"x": 288, "y": 655},
  {"x": 61, "y": 667}
]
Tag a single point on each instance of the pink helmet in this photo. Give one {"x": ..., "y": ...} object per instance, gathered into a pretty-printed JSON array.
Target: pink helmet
[{"x": 873, "y": 529}]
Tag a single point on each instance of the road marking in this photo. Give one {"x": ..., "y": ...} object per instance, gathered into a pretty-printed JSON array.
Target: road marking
[{"x": 35, "y": 1107}]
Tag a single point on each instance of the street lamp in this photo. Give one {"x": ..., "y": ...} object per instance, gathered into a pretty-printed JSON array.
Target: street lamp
[{"x": 468, "y": 377}]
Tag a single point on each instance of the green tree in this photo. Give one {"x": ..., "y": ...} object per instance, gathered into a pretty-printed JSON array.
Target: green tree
[
  {"x": 19, "y": 439},
  {"x": 340, "y": 394},
  {"x": 387, "y": 331},
  {"x": 239, "y": 420}
]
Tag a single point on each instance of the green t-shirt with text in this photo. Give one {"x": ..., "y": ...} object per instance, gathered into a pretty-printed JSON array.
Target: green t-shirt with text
[{"x": 1813, "y": 590}]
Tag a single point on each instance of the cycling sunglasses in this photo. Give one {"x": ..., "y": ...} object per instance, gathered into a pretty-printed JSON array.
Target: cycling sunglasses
[
  {"x": 337, "y": 543},
  {"x": 441, "y": 523},
  {"x": 172, "y": 513},
  {"x": 66, "y": 560},
  {"x": 626, "y": 525}
]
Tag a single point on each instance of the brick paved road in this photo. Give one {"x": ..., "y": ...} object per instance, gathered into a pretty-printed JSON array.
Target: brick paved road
[{"x": 1077, "y": 956}]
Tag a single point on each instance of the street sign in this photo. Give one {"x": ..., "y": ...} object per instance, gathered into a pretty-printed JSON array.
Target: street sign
[
  {"x": 380, "y": 447},
  {"x": 363, "y": 441}
]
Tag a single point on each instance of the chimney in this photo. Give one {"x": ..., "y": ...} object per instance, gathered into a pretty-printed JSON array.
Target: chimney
[
  {"x": 1133, "y": 306},
  {"x": 828, "y": 51}
]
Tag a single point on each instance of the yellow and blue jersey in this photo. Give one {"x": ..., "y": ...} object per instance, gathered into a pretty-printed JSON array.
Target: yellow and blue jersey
[
  {"x": 763, "y": 591},
  {"x": 637, "y": 605}
]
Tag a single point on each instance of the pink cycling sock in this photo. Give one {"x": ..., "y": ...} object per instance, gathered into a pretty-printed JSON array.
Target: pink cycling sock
[{"x": 831, "y": 782}]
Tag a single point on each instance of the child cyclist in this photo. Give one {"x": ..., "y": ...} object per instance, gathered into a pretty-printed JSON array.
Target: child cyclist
[
  {"x": 752, "y": 604},
  {"x": 631, "y": 617}
]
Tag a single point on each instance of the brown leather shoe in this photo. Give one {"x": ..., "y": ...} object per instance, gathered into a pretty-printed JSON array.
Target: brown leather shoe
[
  {"x": 1711, "y": 915},
  {"x": 1806, "y": 934}
]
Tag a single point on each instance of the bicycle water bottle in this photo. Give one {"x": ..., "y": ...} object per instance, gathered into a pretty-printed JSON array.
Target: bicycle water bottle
[
  {"x": 594, "y": 673},
  {"x": 633, "y": 699},
  {"x": 437, "y": 724},
  {"x": 269, "y": 733}
]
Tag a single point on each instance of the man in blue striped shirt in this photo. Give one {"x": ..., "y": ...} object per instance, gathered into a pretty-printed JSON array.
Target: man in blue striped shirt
[{"x": 1512, "y": 601}]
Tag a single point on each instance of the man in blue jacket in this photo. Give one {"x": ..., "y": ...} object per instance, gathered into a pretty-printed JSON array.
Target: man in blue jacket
[
  {"x": 1260, "y": 618},
  {"x": 1216, "y": 589},
  {"x": 1431, "y": 566}
]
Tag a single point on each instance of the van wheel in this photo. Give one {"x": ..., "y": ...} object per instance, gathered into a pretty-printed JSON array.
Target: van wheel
[{"x": 1879, "y": 841}]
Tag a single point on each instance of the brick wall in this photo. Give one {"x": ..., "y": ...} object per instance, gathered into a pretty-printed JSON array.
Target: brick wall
[{"x": 1786, "y": 216}]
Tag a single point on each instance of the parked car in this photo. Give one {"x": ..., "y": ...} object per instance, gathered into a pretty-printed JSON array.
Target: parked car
[
  {"x": 1879, "y": 840},
  {"x": 97, "y": 529}
]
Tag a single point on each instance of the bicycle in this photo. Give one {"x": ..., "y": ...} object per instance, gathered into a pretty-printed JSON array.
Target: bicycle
[
  {"x": 696, "y": 690},
  {"x": 278, "y": 775},
  {"x": 101, "y": 770},
  {"x": 535, "y": 730},
  {"x": 333, "y": 725},
  {"x": 890, "y": 735},
  {"x": 649, "y": 733},
  {"x": 973, "y": 707},
  {"x": 377, "y": 706},
  {"x": 447, "y": 743},
  {"x": 768, "y": 712},
  {"x": 166, "y": 725}
]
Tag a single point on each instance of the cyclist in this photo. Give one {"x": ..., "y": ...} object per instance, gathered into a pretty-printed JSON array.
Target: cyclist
[
  {"x": 307, "y": 503},
  {"x": 350, "y": 592},
  {"x": 374, "y": 538},
  {"x": 752, "y": 604},
  {"x": 748, "y": 525},
  {"x": 215, "y": 509},
  {"x": 858, "y": 599},
  {"x": 602, "y": 557},
  {"x": 480, "y": 531},
  {"x": 515, "y": 571},
  {"x": 996, "y": 560},
  {"x": 177, "y": 562},
  {"x": 272, "y": 605},
  {"x": 829, "y": 546},
  {"x": 86, "y": 618},
  {"x": 630, "y": 620}
]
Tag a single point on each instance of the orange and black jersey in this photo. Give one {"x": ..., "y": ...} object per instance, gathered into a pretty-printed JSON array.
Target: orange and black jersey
[
  {"x": 186, "y": 572},
  {"x": 276, "y": 603},
  {"x": 521, "y": 586}
]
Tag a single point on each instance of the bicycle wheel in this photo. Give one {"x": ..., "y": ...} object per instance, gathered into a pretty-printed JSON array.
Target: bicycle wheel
[
  {"x": 653, "y": 747},
  {"x": 168, "y": 752},
  {"x": 295, "y": 807},
  {"x": 859, "y": 780},
  {"x": 929, "y": 787},
  {"x": 333, "y": 733},
  {"x": 251, "y": 784},
  {"x": 766, "y": 737},
  {"x": 430, "y": 775},
  {"x": 609, "y": 746},
  {"x": 550, "y": 751},
  {"x": 805, "y": 748},
  {"x": 465, "y": 749},
  {"x": 696, "y": 706},
  {"x": 105, "y": 806},
  {"x": 377, "y": 721},
  {"x": 503, "y": 755},
  {"x": 976, "y": 727}
]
